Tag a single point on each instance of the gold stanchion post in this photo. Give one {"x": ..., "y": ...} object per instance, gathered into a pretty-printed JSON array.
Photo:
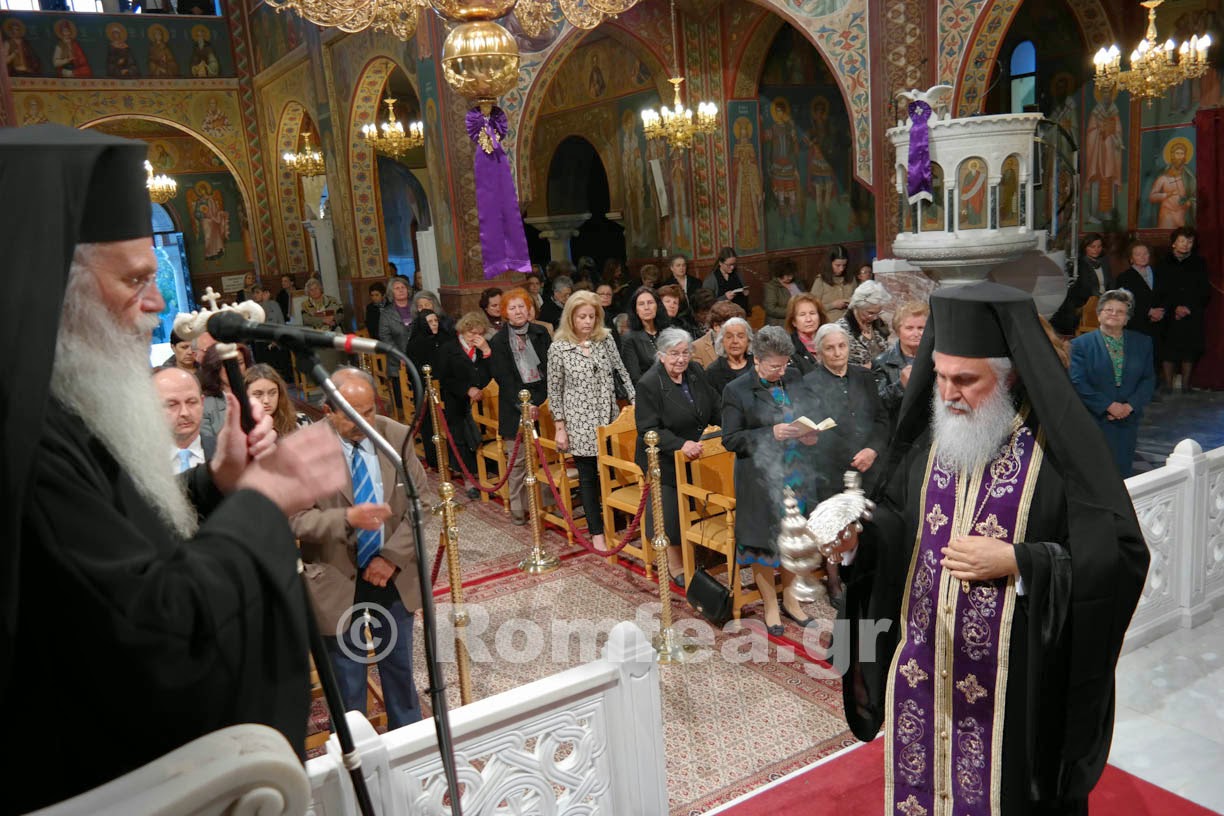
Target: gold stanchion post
[
  {"x": 448, "y": 508},
  {"x": 670, "y": 647},
  {"x": 434, "y": 395},
  {"x": 537, "y": 560}
]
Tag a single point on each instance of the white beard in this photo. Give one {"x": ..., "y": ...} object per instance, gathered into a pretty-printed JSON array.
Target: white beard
[
  {"x": 101, "y": 373},
  {"x": 968, "y": 442}
]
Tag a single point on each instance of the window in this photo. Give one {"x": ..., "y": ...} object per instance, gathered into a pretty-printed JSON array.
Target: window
[
  {"x": 162, "y": 222},
  {"x": 1023, "y": 76},
  {"x": 21, "y": 5}
]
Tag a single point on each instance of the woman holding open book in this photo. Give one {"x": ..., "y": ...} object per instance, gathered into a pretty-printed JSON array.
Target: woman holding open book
[{"x": 768, "y": 421}]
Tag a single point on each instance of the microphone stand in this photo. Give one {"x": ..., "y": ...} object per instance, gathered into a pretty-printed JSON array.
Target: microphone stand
[{"x": 437, "y": 683}]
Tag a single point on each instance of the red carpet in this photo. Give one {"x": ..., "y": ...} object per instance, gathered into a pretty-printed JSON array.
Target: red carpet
[{"x": 853, "y": 784}]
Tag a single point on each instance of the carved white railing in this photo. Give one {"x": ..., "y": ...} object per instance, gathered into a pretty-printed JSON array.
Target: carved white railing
[
  {"x": 586, "y": 741},
  {"x": 1181, "y": 509}
]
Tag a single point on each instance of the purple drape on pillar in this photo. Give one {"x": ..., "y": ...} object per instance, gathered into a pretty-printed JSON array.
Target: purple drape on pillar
[
  {"x": 503, "y": 244},
  {"x": 919, "y": 181}
]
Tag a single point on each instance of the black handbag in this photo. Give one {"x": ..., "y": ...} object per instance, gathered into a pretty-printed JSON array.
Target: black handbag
[{"x": 710, "y": 598}]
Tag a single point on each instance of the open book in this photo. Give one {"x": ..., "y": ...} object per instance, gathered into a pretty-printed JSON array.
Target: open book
[{"x": 807, "y": 426}]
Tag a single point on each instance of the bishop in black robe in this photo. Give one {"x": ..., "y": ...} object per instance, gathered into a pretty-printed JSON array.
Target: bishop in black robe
[
  {"x": 119, "y": 640},
  {"x": 1082, "y": 563}
]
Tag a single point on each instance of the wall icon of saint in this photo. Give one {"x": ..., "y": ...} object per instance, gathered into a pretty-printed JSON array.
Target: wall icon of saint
[
  {"x": 1173, "y": 191},
  {"x": 1103, "y": 155},
  {"x": 822, "y": 179},
  {"x": 69, "y": 58},
  {"x": 22, "y": 61},
  {"x": 749, "y": 195},
  {"x": 215, "y": 123},
  {"x": 204, "y": 61},
  {"x": 120, "y": 61},
  {"x": 633, "y": 168},
  {"x": 782, "y": 144},
  {"x": 33, "y": 112},
  {"x": 596, "y": 84},
  {"x": 161, "y": 59},
  {"x": 972, "y": 190},
  {"x": 209, "y": 219}
]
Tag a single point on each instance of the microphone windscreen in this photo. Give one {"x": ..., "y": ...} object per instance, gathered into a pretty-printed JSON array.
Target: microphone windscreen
[{"x": 227, "y": 327}]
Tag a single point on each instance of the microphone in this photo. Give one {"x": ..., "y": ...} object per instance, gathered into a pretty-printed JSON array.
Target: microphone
[{"x": 229, "y": 326}]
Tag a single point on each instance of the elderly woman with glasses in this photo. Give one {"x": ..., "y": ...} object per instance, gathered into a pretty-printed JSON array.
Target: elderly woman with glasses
[
  {"x": 867, "y": 332},
  {"x": 770, "y": 455},
  {"x": 1112, "y": 371},
  {"x": 674, "y": 398}
]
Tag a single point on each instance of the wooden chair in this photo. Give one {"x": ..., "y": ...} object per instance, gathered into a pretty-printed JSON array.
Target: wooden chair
[
  {"x": 621, "y": 483},
  {"x": 492, "y": 447},
  {"x": 705, "y": 490},
  {"x": 1088, "y": 317},
  {"x": 756, "y": 318},
  {"x": 378, "y": 370},
  {"x": 564, "y": 475},
  {"x": 409, "y": 412}
]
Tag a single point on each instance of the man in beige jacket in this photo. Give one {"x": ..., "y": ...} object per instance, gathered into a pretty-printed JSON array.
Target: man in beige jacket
[{"x": 360, "y": 561}]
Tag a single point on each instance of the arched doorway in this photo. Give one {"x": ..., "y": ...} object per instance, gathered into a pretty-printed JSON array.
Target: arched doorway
[
  {"x": 404, "y": 206},
  {"x": 578, "y": 183}
]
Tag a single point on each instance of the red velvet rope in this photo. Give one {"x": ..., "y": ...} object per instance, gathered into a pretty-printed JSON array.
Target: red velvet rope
[{"x": 630, "y": 531}]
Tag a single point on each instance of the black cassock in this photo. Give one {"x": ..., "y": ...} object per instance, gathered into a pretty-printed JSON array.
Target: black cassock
[
  {"x": 132, "y": 642},
  {"x": 1042, "y": 772}
]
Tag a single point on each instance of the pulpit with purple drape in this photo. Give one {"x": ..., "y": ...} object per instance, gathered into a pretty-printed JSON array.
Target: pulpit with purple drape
[
  {"x": 503, "y": 244},
  {"x": 1209, "y": 126},
  {"x": 918, "y": 181}
]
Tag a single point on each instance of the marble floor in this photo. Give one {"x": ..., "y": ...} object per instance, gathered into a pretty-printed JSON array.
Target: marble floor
[
  {"x": 1198, "y": 415},
  {"x": 1169, "y": 728}
]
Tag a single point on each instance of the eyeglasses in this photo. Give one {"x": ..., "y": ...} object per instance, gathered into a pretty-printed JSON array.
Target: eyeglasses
[
  {"x": 139, "y": 284},
  {"x": 678, "y": 355},
  {"x": 776, "y": 368}
]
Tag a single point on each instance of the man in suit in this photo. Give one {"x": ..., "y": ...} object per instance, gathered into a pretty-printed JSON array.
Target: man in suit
[
  {"x": 184, "y": 405},
  {"x": 360, "y": 557}
]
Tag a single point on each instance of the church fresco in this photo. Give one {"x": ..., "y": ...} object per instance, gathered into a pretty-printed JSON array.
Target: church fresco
[
  {"x": 595, "y": 73},
  {"x": 639, "y": 204},
  {"x": 1168, "y": 179},
  {"x": 127, "y": 46},
  {"x": 274, "y": 34},
  {"x": 806, "y": 152},
  {"x": 1103, "y": 158},
  {"x": 747, "y": 186}
]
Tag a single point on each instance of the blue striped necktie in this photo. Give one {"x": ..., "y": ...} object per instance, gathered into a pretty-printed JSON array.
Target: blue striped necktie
[
  {"x": 369, "y": 542},
  {"x": 184, "y": 460}
]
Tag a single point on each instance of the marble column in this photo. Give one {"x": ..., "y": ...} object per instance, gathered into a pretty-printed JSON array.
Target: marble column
[{"x": 558, "y": 230}]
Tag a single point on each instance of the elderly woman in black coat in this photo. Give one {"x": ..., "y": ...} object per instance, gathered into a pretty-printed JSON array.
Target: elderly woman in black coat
[
  {"x": 771, "y": 454},
  {"x": 674, "y": 398},
  {"x": 1182, "y": 278}
]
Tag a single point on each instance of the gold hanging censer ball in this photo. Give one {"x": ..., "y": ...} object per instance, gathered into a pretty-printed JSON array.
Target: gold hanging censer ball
[{"x": 480, "y": 60}]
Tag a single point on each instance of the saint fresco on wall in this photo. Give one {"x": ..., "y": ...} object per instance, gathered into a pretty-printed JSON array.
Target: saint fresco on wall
[
  {"x": 933, "y": 218},
  {"x": 747, "y": 189},
  {"x": 115, "y": 46},
  {"x": 1169, "y": 183},
  {"x": 1102, "y": 169},
  {"x": 805, "y": 145}
]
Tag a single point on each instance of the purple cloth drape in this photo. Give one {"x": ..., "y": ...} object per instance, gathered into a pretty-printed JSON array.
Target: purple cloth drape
[
  {"x": 919, "y": 181},
  {"x": 503, "y": 244}
]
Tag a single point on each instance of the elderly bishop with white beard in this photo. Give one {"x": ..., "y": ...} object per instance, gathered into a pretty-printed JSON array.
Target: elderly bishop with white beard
[
  {"x": 127, "y": 626},
  {"x": 997, "y": 576}
]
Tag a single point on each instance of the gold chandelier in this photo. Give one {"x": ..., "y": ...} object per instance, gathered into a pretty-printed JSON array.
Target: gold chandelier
[
  {"x": 677, "y": 125},
  {"x": 397, "y": 17},
  {"x": 162, "y": 188},
  {"x": 1154, "y": 68},
  {"x": 393, "y": 141},
  {"x": 306, "y": 162}
]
